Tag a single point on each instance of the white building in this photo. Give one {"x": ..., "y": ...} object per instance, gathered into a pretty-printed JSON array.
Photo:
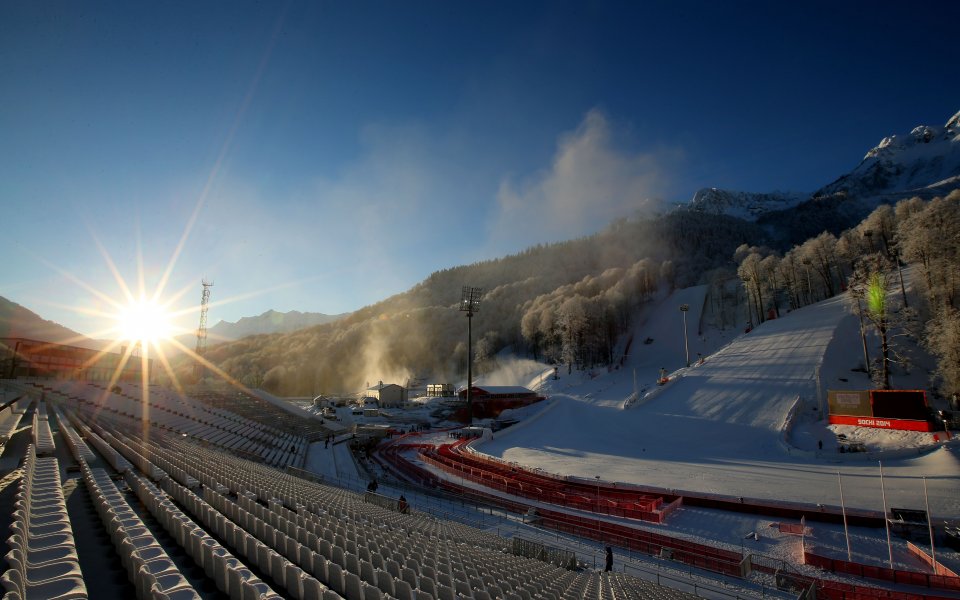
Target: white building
[{"x": 387, "y": 394}]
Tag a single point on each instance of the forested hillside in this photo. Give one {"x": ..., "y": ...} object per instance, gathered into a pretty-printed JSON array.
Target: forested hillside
[
  {"x": 567, "y": 302},
  {"x": 868, "y": 259}
]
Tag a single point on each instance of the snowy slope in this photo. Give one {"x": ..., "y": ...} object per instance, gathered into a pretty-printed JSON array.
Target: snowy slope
[{"x": 718, "y": 427}]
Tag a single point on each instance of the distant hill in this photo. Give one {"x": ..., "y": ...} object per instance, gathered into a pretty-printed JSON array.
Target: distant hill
[
  {"x": 17, "y": 321},
  {"x": 268, "y": 322},
  {"x": 748, "y": 206}
]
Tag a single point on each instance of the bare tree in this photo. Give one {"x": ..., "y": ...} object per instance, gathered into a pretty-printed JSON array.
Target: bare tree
[{"x": 943, "y": 339}]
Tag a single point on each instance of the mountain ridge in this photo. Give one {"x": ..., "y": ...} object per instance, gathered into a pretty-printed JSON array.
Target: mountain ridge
[
  {"x": 270, "y": 321},
  {"x": 17, "y": 321},
  {"x": 924, "y": 162}
]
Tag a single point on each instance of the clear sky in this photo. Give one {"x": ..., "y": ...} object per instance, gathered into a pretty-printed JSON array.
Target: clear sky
[{"x": 322, "y": 156}]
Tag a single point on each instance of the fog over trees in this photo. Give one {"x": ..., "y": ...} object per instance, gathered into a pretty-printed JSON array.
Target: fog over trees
[{"x": 571, "y": 303}]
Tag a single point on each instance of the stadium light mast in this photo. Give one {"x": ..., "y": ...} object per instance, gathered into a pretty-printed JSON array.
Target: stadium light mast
[
  {"x": 202, "y": 328},
  {"x": 470, "y": 304},
  {"x": 686, "y": 346}
]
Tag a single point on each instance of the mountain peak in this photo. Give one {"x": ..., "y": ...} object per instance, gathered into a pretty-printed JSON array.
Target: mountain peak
[{"x": 953, "y": 125}]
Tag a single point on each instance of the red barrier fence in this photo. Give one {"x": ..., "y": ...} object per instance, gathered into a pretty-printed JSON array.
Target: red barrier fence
[
  {"x": 882, "y": 573},
  {"x": 938, "y": 567},
  {"x": 592, "y": 498},
  {"x": 551, "y": 494}
]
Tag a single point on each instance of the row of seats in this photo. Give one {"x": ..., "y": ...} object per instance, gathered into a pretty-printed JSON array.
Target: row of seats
[
  {"x": 78, "y": 447},
  {"x": 42, "y": 435},
  {"x": 148, "y": 566},
  {"x": 10, "y": 419},
  {"x": 43, "y": 554},
  {"x": 113, "y": 458}
]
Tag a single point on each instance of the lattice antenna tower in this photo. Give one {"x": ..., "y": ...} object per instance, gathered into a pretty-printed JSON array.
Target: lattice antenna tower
[{"x": 202, "y": 329}]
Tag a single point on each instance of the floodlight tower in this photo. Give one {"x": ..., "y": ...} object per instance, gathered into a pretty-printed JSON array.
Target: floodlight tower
[
  {"x": 202, "y": 328},
  {"x": 686, "y": 346},
  {"x": 470, "y": 303}
]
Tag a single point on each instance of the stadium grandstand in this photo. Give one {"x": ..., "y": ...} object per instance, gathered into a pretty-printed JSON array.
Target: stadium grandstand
[{"x": 132, "y": 492}]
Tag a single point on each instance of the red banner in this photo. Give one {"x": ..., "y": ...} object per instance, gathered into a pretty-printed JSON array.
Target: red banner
[{"x": 904, "y": 424}]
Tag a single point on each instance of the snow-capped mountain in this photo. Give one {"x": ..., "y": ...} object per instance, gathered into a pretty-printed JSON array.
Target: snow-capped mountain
[
  {"x": 268, "y": 322},
  {"x": 925, "y": 161},
  {"x": 743, "y": 205}
]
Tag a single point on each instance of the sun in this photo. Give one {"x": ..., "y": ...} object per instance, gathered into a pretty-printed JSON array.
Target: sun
[{"x": 144, "y": 321}]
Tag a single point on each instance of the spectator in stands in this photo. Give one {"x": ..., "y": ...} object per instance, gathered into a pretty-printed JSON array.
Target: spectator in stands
[
  {"x": 372, "y": 486},
  {"x": 402, "y": 505},
  {"x": 609, "y": 565}
]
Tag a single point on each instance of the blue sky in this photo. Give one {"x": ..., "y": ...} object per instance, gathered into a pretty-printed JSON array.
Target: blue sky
[{"x": 323, "y": 156}]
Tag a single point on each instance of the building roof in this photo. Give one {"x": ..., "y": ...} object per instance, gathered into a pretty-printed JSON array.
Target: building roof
[
  {"x": 380, "y": 386},
  {"x": 504, "y": 389}
]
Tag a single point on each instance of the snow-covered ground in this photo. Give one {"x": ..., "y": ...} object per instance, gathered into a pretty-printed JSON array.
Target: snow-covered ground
[{"x": 720, "y": 427}]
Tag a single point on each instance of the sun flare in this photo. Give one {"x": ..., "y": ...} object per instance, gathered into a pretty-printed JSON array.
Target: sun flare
[{"x": 145, "y": 322}]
